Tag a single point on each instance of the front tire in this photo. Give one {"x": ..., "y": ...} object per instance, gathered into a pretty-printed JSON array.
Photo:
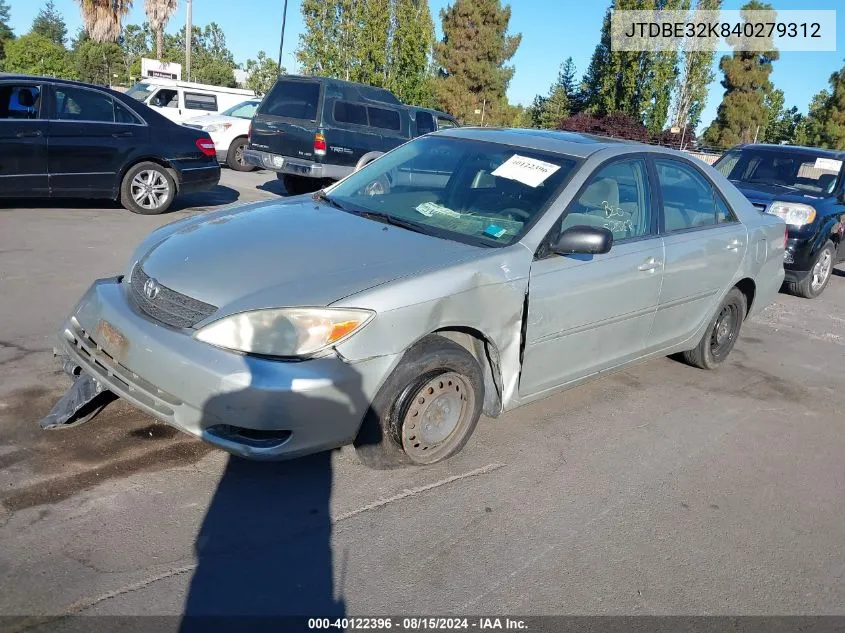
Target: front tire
[
  {"x": 147, "y": 189},
  {"x": 427, "y": 409},
  {"x": 235, "y": 156},
  {"x": 814, "y": 283},
  {"x": 721, "y": 334}
]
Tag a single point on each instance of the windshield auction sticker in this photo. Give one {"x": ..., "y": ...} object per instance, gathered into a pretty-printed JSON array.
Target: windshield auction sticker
[
  {"x": 828, "y": 164},
  {"x": 528, "y": 171}
]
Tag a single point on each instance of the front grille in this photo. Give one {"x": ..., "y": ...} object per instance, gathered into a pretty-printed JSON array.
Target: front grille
[{"x": 168, "y": 306}]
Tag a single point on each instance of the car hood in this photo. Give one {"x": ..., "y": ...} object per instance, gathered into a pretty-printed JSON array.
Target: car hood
[
  {"x": 764, "y": 193},
  {"x": 293, "y": 253}
]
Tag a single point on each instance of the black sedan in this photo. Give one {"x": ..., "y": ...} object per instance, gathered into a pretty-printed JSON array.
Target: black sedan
[{"x": 68, "y": 139}]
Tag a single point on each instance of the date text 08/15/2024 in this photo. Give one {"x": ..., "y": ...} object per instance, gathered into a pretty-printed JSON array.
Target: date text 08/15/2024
[{"x": 417, "y": 624}]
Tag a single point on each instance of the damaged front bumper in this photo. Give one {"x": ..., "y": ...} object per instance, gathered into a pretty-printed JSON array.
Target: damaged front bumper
[{"x": 256, "y": 408}]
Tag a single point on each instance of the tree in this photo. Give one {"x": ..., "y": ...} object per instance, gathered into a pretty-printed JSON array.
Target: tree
[
  {"x": 532, "y": 115},
  {"x": 600, "y": 81},
  {"x": 567, "y": 78},
  {"x": 50, "y": 23},
  {"x": 556, "y": 105},
  {"x": 135, "y": 42},
  {"x": 616, "y": 125},
  {"x": 663, "y": 72},
  {"x": 472, "y": 57},
  {"x": 318, "y": 52},
  {"x": 409, "y": 73},
  {"x": 34, "y": 54},
  {"x": 690, "y": 92},
  {"x": 826, "y": 117},
  {"x": 211, "y": 60},
  {"x": 102, "y": 18},
  {"x": 742, "y": 113},
  {"x": 6, "y": 32},
  {"x": 773, "y": 107},
  {"x": 98, "y": 62},
  {"x": 809, "y": 130},
  {"x": 159, "y": 13},
  {"x": 367, "y": 63},
  {"x": 262, "y": 73}
]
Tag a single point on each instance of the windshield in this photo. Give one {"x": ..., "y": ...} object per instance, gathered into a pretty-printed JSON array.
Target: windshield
[
  {"x": 469, "y": 191},
  {"x": 245, "y": 110},
  {"x": 815, "y": 175},
  {"x": 140, "y": 91}
]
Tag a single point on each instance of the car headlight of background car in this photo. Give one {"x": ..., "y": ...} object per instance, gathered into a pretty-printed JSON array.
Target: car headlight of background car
[
  {"x": 216, "y": 127},
  {"x": 284, "y": 332},
  {"x": 793, "y": 213}
]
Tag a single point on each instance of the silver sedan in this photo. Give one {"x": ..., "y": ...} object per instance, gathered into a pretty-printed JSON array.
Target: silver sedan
[{"x": 469, "y": 271}]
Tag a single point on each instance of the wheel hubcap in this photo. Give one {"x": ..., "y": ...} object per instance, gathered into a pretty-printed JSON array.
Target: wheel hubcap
[
  {"x": 239, "y": 155},
  {"x": 821, "y": 271},
  {"x": 149, "y": 189},
  {"x": 436, "y": 411}
]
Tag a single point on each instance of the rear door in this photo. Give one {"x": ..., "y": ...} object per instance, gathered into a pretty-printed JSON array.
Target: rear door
[
  {"x": 196, "y": 104},
  {"x": 23, "y": 139},
  {"x": 287, "y": 120},
  {"x": 92, "y": 136},
  {"x": 705, "y": 245}
]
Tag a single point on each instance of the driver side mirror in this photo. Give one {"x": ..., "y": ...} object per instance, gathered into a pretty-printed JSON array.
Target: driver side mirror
[{"x": 589, "y": 240}]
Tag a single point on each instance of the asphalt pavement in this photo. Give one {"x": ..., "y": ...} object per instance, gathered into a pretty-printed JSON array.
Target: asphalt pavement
[{"x": 662, "y": 489}]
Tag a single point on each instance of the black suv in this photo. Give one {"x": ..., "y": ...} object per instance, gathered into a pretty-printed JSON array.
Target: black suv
[
  {"x": 806, "y": 187},
  {"x": 316, "y": 129}
]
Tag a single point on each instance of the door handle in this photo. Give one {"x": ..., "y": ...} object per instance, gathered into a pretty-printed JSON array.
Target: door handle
[
  {"x": 29, "y": 134},
  {"x": 734, "y": 245},
  {"x": 121, "y": 134},
  {"x": 649, "y": 265}
]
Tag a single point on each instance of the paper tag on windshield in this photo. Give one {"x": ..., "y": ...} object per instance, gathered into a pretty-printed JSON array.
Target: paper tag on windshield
[
  {"x": 428, "y": 209},
  {"x": 828, "y": 164},
  {"x": 528, "y": 171}
]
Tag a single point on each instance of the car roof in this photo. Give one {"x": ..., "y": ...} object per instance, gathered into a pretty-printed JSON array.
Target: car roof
[
  {"x": 54, "y": 80},
  {"x": 571, "y": 143},
  {"x": 815, "y": 151}
]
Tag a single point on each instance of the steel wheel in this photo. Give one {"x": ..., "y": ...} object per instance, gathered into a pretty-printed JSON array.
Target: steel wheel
[
  {"x": 821, "y": 271},
  {"x": 149, "y": 189},
  {"x": 433, "y": 419},
  {"x": 724, "y": 331}
]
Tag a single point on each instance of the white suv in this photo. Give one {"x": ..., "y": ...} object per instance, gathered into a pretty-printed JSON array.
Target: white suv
[{"x": 229, "y": 130}]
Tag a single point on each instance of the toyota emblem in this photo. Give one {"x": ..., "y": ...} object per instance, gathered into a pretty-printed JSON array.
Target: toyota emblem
[{"x": 151, "y": 289}]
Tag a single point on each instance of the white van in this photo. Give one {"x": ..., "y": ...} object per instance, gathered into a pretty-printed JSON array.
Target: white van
[{"x": 182, "y": 100}]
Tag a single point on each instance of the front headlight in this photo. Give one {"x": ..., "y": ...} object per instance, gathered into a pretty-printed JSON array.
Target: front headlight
[
  {"x": 286, "y": 332},
  {"x": 793, "y": 213},
  {"x": 216, "y": 127}
]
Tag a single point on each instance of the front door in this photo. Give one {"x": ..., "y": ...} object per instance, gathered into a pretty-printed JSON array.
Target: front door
[
  {"x": 166, "y": 102},
  {"x": 589, "y": 313},
  {"x": 91, "y": 138},
  {"x": 23, "y": 140},
  {"x": 705, "y": 245}
]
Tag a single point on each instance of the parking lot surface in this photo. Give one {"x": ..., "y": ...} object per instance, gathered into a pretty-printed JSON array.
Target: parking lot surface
[{"x": 661, "y": 489}]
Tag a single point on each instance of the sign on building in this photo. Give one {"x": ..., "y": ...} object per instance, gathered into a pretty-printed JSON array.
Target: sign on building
[{"x": 156, "y": 68}]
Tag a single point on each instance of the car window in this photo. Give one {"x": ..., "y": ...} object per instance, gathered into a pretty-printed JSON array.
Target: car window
[
  {"x": 425, "y": 123},
  {"x": 19, "y": 102},
  {"x": 444, "y": 124},
  {"x": 384, "y": 119},
  {"x": 165, "y": 98},
  {"x": 201, "y": 101},
  {"x": 689, "y": 200},
  {"x": 140, "y": 91},
  {"x": 293, "y": 100},
  {"x": 723, "y": 212},
  {"x": 616, "y": 197},
  {"x": 809, "y": 173},
  {"x": 348, "y": 112},
  {"x": 80, "y": 104},
  {"x": 245, "y": 110}
]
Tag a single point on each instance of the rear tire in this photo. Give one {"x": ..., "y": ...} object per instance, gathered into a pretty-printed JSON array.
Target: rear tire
[
  {"x": 721, "y": 334},
  {"x": 235, "y": 156},
  {"x": 297, "y": 185},
  {"x": 814, "y": 283},
  {"x": 427, "y": 409},
  {"x": 147, "y": 189}
]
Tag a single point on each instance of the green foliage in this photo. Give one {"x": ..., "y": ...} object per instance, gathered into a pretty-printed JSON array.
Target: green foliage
[
  {"x": 6, "y": 32},
  {"x": 825, "y": 125},
  {"x": 742, "y": 113},
  {"x": 532, "y": 115},
  {"x": 50, "y": 23},
  {"x": 472, "y": 57},
  {"x": 34, "y": 54},
  {"x": 99, "y": 62},
  {"x": 556, "y": 106},
  {"x": 409, "y": 74},
  {"x": 211, "y": 60},
  {"x": 136, "y": 41},
  {"x": 262, "y": 73}
]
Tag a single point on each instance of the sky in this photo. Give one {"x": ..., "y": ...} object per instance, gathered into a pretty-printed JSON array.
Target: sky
[{"x": 552, "y": 30}]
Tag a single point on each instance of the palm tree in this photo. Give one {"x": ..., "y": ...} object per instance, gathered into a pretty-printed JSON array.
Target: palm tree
[
  {"x": 158, "y": 13},
  {"x": 102, "y": 18}
]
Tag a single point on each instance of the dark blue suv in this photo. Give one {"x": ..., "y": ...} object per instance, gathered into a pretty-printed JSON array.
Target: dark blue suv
[{"x": 806, "y": 187}]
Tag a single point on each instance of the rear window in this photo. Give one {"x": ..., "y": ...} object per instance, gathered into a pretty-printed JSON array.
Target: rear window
[
  {"x": 346, "y": 112},
  {"x": 200, "y": 101},
  {"x": 425, "y": 123},
  {"x": 384, "y": 119},
  {"x": 293, "y": 100},
  {"x": 444, "y": 124}
]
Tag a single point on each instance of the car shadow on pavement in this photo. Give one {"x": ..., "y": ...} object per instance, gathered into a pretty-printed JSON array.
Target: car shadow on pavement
[
  {"x": 274, "y": 186},
  {"x": 214, "y": 197},
  {"x": 264, "y": 550}
]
